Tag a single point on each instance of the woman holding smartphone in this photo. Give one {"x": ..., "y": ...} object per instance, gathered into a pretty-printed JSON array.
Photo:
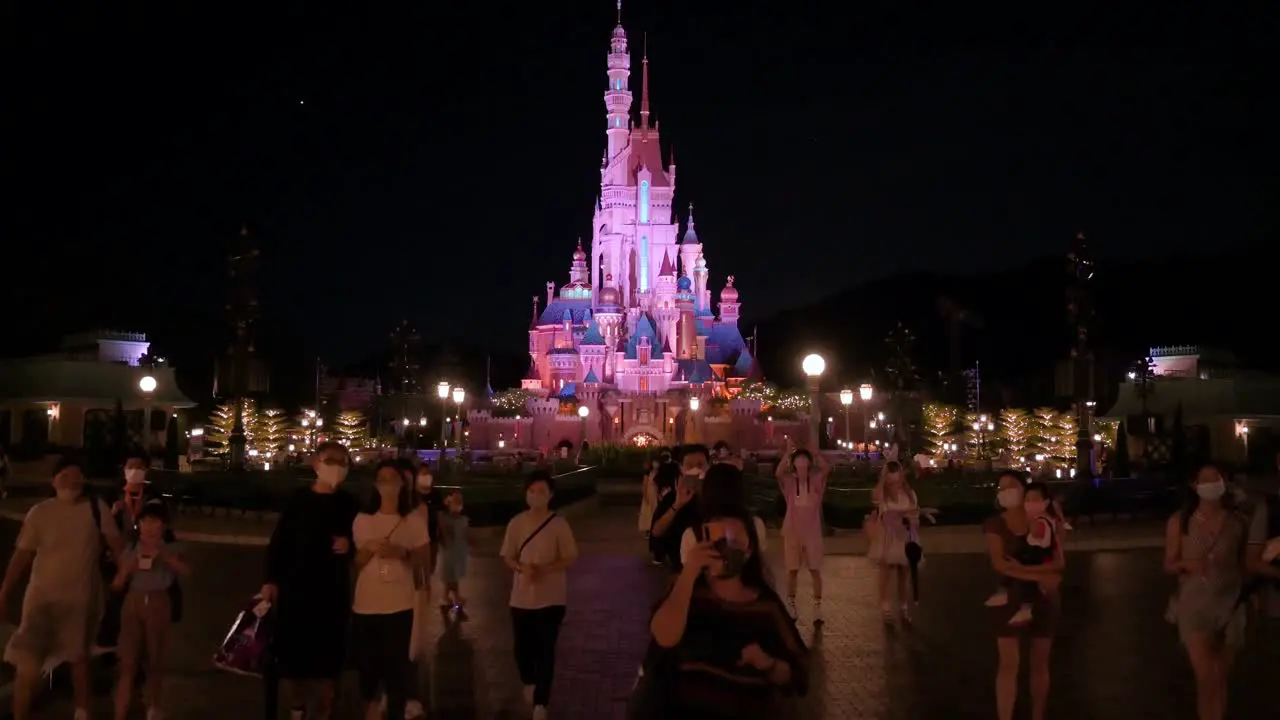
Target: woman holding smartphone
[{"x": 723, "y": 643}]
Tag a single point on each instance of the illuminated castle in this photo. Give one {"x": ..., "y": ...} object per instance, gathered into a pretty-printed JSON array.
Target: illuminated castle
[{"x": 634, "y": 332}]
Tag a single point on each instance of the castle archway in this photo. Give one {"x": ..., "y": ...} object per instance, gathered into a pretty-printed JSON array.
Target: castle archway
[{"x": 643, "y": 436}]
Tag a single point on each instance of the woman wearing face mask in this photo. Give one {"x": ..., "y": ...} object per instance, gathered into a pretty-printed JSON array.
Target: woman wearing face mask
[
  {"x": 389, "y": 539},
  {"x": 1205, "y": 548},
  {"x": 898, "y": 513},
  {"x": 539, "y": 548},
  {"x": 723, "y": 643},
  {"x": 1007, "y": 535},
  {"x": 309, "y": 584}
]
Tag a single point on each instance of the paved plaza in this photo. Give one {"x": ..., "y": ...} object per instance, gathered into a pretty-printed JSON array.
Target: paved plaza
[{"x": 1114, "y": 658}]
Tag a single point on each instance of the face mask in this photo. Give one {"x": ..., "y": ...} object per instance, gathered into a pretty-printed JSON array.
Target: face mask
[
  {"x": 1010, "y": 497},
  {"x": 733, "y": 559},
  {"x": 331, "y": 475},
  {"x": 537, "y": 501},
  {"x": 135, "y": 475},
  {"x": 424, "y": 481},
  {"x": 1035, "y": 508},
  {"x": 1211, "y": 491}
]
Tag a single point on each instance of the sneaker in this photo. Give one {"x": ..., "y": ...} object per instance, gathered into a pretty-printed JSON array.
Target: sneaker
[
  {"x": 1022, "y": 617},
  {"x": 413, "y": 709},
  {"x": 817, "y": 611},
  {"x": 791, "y": 607},
  {"x": 999, "y": 599},
  {"x": 540, "y": 712},
  {"x": 528, "y": 694}
]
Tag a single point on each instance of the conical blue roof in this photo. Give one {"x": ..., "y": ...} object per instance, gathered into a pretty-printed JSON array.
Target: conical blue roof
[
  {"x": 591, "y": 377},
  {"x": 592, "y": 336}
]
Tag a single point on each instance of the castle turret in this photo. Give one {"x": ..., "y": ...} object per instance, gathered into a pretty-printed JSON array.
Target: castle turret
[
  {"x": 617, "y": 97},
  {"x": 664, "y": 301},
  {"x": 690, "y": 248},
  {"x": 729, "y": 303},
  {"x": 687, "y": 332},
  {"x": 608, "y": 317},
  {"x": 701, "y": 293}
]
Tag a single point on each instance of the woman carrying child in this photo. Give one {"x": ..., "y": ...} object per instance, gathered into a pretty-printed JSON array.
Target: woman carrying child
[{"x": 1008, "y": 535}]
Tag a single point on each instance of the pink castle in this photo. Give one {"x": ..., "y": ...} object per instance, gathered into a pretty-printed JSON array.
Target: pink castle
[{"x": 632, "y": 335}]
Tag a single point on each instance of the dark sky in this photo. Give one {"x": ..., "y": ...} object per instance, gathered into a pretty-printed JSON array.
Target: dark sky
[{"x": 438, "y": 165}]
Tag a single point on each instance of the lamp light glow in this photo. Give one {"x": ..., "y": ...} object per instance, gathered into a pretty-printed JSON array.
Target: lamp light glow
[
  {"x": 459, "y": 395},
  {"x": 583, "y": 411},
  {"x": 846, "y": 397},
  {"x": 694, "y": 402},
  {"x": 865, "y": 391},
  {"x": 147, "y": 384},
  {"x": 813, "y": 365},
  {"x": 442, "y": 389}
]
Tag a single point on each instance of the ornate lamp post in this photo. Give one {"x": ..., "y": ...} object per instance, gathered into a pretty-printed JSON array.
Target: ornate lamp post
[
  {"x": 813, "y": 365},
  {"x": 459, "y": 395},
  {"x": 442, "y": 391},
  {"x": 846, "y": 399},
  {"x": 148, "y": 386},
  {"x": 583, "y": 412},
  {"x": 694, "y": 404}
]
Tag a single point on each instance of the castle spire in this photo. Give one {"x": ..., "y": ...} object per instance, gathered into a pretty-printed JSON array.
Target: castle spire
[
  {"x": 644, "y": 85},
  {"x": 619, "y": 12},
  {"x": 617, "y": 96}
]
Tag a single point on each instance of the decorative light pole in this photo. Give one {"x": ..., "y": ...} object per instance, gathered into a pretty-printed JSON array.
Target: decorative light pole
[
  {"x": 583, "y": 412},
  {"x": 694, "y": 404},
  {"x": 846, "y": 399},
  {"x": 148, "y": 386},
  {"x": 813, "y": 365},
  {"x": 459, "y": 395},
  {"x": 442, "y": 391}
]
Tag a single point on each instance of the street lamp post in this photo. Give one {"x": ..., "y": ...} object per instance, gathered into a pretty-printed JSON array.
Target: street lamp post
[
  {"x": 583, "y": 412},
  {"x": 865, "y": 393},
  {"x": 148, "y": 386},
  {"x": 813, "y": 365},
  {"x": 846, "y": 399},
  {"x": 694, "y": 404},
  {"x": 442, "y": 390},
  {"x": 459, "y": 395}
]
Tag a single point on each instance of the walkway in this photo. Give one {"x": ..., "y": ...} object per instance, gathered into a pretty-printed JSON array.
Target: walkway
[{"x": 1115, "y": 657}]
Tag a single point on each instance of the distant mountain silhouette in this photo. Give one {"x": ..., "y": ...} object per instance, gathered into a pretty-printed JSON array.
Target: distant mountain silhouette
[{"x": 1015, "y": 322}]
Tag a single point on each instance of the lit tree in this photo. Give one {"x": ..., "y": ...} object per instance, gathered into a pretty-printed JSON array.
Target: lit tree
[
  {"x": 510, "y": 403},
  {"x": 1044, "y": 432},
  {"x": 353, "y": 429},
  {"x": 939, "y": 425},
  {"x": 307, "y": 422},
  {"x": 1106, "y": 431},
  {"x": 979, "y": 434},
  {"x": 271, "y": 432},
  {"x": 1015, "y": 427},
  {"x": 765, "y": 392},
  {"x": 1065, "y": 442},
  {"x": 223, "y": 421}
]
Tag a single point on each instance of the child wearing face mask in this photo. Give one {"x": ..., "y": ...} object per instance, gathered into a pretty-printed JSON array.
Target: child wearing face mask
[{"x": 1038, "y": 548}]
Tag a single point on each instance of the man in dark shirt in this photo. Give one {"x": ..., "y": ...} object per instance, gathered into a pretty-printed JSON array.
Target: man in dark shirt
[{"x": 678, "y": 511}]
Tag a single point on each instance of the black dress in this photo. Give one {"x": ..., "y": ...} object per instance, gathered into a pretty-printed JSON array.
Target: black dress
[{"x": 314, "y": 602}]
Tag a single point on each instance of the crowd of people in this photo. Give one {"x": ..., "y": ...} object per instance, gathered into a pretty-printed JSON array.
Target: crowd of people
[{"x": 349, "y": 583}]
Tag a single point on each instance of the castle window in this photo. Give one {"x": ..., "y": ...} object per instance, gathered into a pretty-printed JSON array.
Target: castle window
[
  {"x": 644, "y": 263},
  {"x": 644, "y": 201}
]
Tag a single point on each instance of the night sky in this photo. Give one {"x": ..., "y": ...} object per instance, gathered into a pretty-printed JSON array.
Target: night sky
[{"x": 439, "y": 165}]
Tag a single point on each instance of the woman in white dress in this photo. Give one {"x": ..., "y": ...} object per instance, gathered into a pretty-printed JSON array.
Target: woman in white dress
[{"x": 898, "y": 514}]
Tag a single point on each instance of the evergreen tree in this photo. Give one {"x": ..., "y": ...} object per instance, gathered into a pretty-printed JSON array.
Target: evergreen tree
[
  {"x": 353, "y": 429},
  {"x": 1064, "y": 443},
  {"x": 939, "y": 425},
  {"x": 1014, "y": 433},
  {"x": 223, "y": 421},
  {"x": 1044, "y": 433},
  {"x": 271, "y": 432},
  {"x": 1121, "y": 463}
]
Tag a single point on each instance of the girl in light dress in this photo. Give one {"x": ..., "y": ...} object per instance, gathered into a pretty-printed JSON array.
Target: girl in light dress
[
  {"x": 454, "y": 549},
  {"x": 897, "y": 515}
]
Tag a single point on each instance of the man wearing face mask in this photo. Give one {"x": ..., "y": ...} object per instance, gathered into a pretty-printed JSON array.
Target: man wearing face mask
[
  {"x": 61, "y": 541},
  {"x": 678, "y": 511},
  {"x": 308, "y": 582}
]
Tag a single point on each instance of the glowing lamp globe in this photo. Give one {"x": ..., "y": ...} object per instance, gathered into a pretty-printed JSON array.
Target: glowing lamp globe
[
  {"x": 422, "y": 421},
  {"x": 442, "y": 390},
  {"x": 813, "y": 365},
  {"x": 693, "y": 404},
  {"x": 459, "y": 395},
  {"x": 583, "y": 411},
  {"x": 147, "y": 384},
  {"x": 846, "y": 397},
  {"x": 865, "y": 391}
]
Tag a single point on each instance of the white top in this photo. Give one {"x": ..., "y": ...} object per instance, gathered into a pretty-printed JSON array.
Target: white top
[
  {"x": 689, "y": 539},
  {"x": 386, "y": 586},
  {"x": 553, "y": 543}
]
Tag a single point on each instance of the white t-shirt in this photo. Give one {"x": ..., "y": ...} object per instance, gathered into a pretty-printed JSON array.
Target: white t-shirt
[
  {"x": 689, "y": 540},
  {"x": 386, "y": 586},
  {"x": 552, "y": 544}
]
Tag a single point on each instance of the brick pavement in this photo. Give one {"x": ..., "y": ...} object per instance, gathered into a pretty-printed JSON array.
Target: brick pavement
[{"x": 1114, "y": 658}]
